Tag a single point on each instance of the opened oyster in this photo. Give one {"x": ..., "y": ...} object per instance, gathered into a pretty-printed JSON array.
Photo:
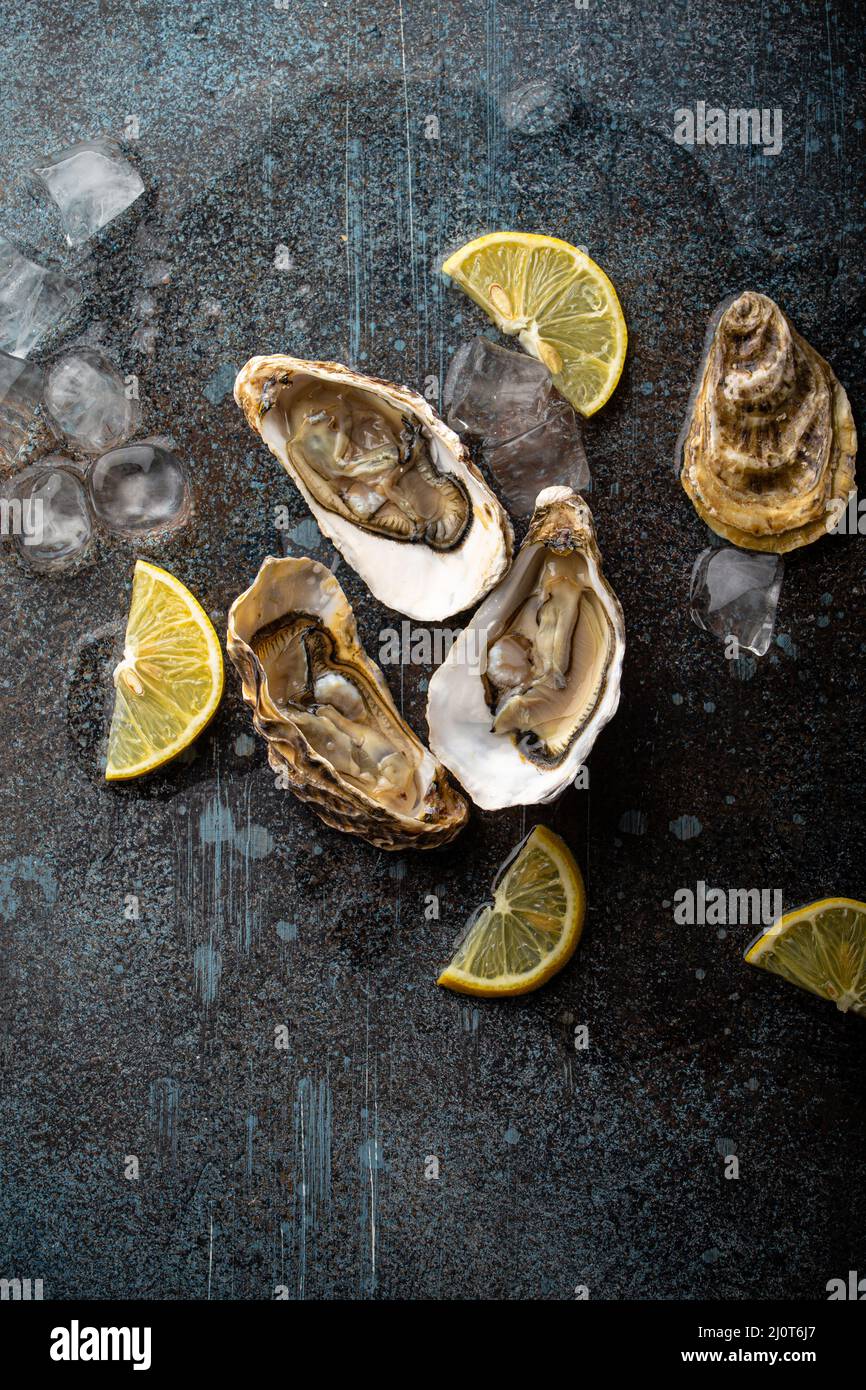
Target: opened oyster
[
  {"x": 768, "y": 450},
  {"x": 386, "y": 480},
  {"x": 517, "y": 705},
  {"x": 323, "y": 706}
]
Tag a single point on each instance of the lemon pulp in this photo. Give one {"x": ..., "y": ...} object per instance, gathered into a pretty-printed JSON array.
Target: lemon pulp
[
  {"x": 170, "y": 679},
  {"x": 529, "y": 931},
  {"x": 821, "y": 948},
  {"x": 560, "y": 304}
]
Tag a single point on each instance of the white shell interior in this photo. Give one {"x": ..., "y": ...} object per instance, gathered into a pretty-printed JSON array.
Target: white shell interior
[
  {"x": 490, "y": 766},
  {"x": 412, "y": 578}
]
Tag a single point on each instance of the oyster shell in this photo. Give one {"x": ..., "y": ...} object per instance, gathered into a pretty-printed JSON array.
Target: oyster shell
[
  {"x": 516, "y": 706},
  {"x": 327, "y": 715},
  {"x": 768, "y": 450},
  {"x": 387, "y": 481}
]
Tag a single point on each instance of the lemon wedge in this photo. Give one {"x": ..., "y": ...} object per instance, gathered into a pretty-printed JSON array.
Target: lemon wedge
[
  {"x": 170, "y": 680},
  {"x": 530, "y": 930},
  {"x": 560, "y": 304},
  {"x": 821, "y": 948}
]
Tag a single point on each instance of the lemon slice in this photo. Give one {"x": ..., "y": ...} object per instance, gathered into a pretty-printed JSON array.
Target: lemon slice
[
  {"x": 170, "y": 680},
  {"x": 560, "y": 304},
  {"x": 530, "y": 930},
  {"x": 821, "y": 948}
]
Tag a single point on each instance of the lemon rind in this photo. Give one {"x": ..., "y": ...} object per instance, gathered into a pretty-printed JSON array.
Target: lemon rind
[
  {"x": 215, "y": 665},
  {"x": 505, "y": 986},
  {"x": 761, "y": 943},
  {"x": 451, "y": 267}
]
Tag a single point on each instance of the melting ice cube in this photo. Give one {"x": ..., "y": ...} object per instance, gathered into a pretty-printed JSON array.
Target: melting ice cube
[
  {"x": 536, "y": 107},
  {"x": 530, "y": 435},
  {"x": 32, "y": 300},
  {"x": 86, "y": 401},
  {"x": 735, "y": 593},
  {"x": 550, "y": 453},
  {"x": 91, "y": 183},
  {"x": 48, "y": 513},
  {"x": 139, "y": 488},
  {"x": 20, "y": 394},
  {"x": 494, "y": 393}
]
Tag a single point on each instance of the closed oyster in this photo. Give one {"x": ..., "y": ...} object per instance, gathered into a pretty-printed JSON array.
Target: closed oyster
[
  {"x": 327, "y": 715},
  {"x": 516, "y": 706},
  {"x": 768, "y": 450},
  {"x": 387, "y": 481}
]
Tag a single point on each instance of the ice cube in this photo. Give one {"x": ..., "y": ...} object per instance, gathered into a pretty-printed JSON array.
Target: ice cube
[
  {"x": 734, "y": 593},
  {"x": 86, "y": 401},
  {"x": 536, "y": 107},
  {"x": 48, "y": 513},
  {"x": 32, "y": 300},
  {"x": 548, "y": 455},
  {"x": 530, "y": 435},
  {"x": 139, "y": 488},
  {"x": 20, "y": 394},
  {"x": 91, "y": 183},
  {"x": 494, "y": 393}
]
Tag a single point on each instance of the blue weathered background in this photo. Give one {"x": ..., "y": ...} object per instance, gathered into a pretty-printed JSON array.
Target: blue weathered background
[{"x": 307, "y": 166}]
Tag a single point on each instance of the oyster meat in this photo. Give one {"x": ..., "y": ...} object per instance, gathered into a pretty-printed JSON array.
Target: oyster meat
[
  {"x": 388, "y": 482},
  {"x": 516, "y": 706},
  {"x": 769, "y": 446},
  {"x": 327, "y": 715}
]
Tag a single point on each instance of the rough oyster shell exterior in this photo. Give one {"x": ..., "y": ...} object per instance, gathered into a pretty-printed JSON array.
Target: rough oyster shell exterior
[
  {"x": 769, "y": 446},
  {"x": 286, "y": 588}
]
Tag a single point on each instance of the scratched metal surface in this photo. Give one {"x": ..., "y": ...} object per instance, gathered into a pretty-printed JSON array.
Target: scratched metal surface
[{"x": 303, "y": 1168}]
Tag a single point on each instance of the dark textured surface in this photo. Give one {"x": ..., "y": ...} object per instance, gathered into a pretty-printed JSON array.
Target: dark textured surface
[{"x": 305, "y": 1167}]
